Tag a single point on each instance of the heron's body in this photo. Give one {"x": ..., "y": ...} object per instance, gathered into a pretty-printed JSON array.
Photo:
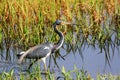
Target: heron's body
[
  {"x": 38, "y": 51},
  {"x": 42, "y": 51}
]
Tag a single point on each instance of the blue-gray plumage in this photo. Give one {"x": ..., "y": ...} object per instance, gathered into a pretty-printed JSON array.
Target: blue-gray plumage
[
  {"x": 38, "y": 51},
  {"x": 42, "y": 51}
]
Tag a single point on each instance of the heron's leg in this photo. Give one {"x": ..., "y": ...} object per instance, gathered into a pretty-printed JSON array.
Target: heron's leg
[
  {"x": 44, "y": 61},
  {"x": 32, "y": 63},
  {"x": 45, "y": 66}
]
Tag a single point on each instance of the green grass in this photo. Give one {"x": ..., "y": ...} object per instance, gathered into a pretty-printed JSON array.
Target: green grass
[
  {"x": 25, "y": 23},
  {"x": 35, "y": 74},
  {"x": 28, "y": 22}
]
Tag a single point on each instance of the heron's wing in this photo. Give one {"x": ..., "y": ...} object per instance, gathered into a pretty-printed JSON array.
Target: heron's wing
[{"x": 39, "y": 51}]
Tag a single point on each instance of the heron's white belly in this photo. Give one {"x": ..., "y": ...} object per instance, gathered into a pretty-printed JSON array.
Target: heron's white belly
[{"x": 43, "y": 59}]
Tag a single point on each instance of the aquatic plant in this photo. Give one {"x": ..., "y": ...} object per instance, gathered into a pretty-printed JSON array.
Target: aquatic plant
[{"x": 25, "y": 23}]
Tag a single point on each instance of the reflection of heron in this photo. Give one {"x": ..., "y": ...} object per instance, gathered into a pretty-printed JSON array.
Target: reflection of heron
[{"x": 44, "y": 50}]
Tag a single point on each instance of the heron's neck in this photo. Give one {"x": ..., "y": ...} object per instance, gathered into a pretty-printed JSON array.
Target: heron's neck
[{"x": 61, "y": 40}]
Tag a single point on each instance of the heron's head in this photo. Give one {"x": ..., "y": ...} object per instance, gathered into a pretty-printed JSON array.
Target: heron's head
[
  {"x": 20, "y": 54},
  {"x": 60, "y": 22}
]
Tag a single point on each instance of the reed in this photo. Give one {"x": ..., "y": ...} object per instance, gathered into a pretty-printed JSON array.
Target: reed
[{"x": 25, "y": 23}]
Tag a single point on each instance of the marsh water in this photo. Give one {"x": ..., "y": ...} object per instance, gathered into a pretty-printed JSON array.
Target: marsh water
[
  {"x": 92, "y": 45},
  {"x": 91, "y": 59}
]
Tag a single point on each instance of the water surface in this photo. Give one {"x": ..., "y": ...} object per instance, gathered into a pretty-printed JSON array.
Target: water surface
[{"x": 92, "y": 61}]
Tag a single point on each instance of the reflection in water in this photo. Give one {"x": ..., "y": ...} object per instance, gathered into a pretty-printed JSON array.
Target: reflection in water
[
  {"x": 92, "y": 54},
  {"x": 94, "y": 63},
  {"x": 71, "y": 55}
]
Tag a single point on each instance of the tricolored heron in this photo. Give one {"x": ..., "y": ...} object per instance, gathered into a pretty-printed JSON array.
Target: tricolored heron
[{"x": 42, "y": 51}]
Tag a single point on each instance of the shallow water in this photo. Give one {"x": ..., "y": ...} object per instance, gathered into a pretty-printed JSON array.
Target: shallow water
[{"x": 92, "y": 62}]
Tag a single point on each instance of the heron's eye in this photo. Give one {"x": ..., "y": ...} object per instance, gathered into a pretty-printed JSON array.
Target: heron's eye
[{"x": 58, "y": 22}]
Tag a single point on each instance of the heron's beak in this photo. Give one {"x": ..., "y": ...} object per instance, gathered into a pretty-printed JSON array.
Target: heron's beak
[{"x": 63, "y": 23}]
